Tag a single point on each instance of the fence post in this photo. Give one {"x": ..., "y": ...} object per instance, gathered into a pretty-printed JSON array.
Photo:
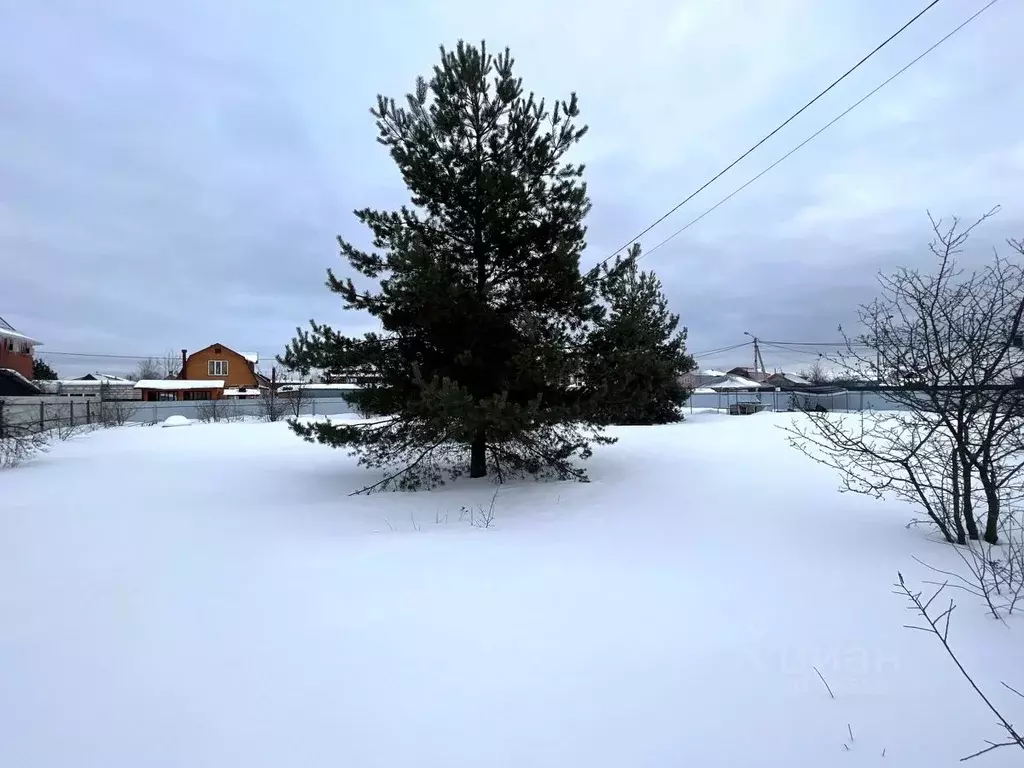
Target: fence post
[
  {"x": 154, "y": 413},
  {"x": 312, "y": 406},
  {"x": 42, "y": 416},
  {"x": 88, "y": 412},
  {"x": 3, "y": 423},
  {"x": 71, "y": 413}
]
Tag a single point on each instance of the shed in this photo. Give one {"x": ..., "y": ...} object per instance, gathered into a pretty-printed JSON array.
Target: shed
[{"x": 180, "y": 389}]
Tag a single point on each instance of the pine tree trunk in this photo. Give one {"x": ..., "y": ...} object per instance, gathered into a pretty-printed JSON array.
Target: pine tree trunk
[{"x": 478, "y": 456}]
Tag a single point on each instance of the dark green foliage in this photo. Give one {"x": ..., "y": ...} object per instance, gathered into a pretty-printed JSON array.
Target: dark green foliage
[
  {"x": 483, "y": 308},
  {"x": 41, "y": 371},
  {"x": 636, "y": 354}
]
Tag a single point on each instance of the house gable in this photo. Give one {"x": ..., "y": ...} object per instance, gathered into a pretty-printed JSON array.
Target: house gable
[{"x": 220, "y": 363}]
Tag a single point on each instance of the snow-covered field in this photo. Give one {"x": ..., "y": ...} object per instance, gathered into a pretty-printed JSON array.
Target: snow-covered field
[{"x": 211, "y": 597}]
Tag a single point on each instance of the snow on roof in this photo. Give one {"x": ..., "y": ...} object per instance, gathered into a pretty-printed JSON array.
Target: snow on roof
[
  {"x": 7, "y": 331},
  {"x": 95, "y": 379},
  {"x": 253, "y": 358},
  {"x": 10, "y": 333},
  {"x": 796, "y": 378},
  {"x": 242, "y": 392},
  {"x": 171, "y": 385},
  {"x": 704, "y": 391},
  {"x": 735, "y": 382},
  {"x": 712, "y": 372},
  {"x": 15, "y": 375},
  {"x": 293, "y": 387},
  {"x": 113, "y": 381}
]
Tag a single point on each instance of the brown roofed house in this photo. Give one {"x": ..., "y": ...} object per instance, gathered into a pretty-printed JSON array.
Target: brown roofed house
[{"x": 211, "y": 373}]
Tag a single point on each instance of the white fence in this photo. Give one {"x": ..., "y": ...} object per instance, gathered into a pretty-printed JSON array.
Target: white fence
[{"x": 41, "y": 413}]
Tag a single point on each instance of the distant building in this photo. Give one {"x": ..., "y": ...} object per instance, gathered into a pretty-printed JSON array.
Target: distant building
[
  {"x": 235, "y": 371},
  {"x": 17, "y": 351},
  {"x": 787, "y": 381},
  {"x": 178, "y": 389},
  {"x": 93, "y": 385},
  {"x": 701, "y": 379},
  {"x": 747, "y": 373}
]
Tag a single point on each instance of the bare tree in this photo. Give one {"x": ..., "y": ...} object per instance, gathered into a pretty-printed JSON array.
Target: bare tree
[
  {"x": 994, "y": 573},
  {"x": 147, "y": 369},
  {"x": 170, "y": 364},
  {"x": 165, "y": 367},
  {"x": 272, "y": 407},
  {"x": 19, "y": 442},
  {"x": 116, "y": 410},
  {"x": 879, "y": 454},
  {"x": 937, "y": 624},
  {"x": 297, "y": 397},
  {"x": 943, "y": 345},
  {"x": 62, "y": 422},
  {"x": 818, "y": 373},
  {"x": 220, "y": 409}
]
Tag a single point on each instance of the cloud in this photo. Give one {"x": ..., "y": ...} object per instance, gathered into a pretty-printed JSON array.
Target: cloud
[{"x": 171, "y": 179}]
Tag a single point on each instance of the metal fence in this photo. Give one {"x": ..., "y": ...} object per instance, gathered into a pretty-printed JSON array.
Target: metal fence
[
  {"x": 53, "y": 412},
  {"x": 41, "y": 415},
  {"x": 845, "y": 400}
]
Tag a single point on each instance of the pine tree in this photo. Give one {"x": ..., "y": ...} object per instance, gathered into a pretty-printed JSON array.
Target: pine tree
[
  {"x": 482, "y": 304},
  {"x": 42, "y": 371},
  {"x": 637, "y": 356}
]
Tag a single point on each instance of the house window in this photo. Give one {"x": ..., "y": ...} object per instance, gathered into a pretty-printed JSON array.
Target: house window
[{"x": 218, "y": 367}]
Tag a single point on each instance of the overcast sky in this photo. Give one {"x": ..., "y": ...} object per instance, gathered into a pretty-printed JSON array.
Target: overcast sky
[{"x": 173, "y": 175}]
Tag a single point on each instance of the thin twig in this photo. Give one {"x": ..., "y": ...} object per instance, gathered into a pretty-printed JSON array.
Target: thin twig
[{"x": 827, "y": 686}]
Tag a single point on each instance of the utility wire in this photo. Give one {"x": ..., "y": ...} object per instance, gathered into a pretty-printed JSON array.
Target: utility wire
[
  {"x": 842, "y": 343},
  {"x": 814, "y": 135},
  {"x": 808, "y": 352},
  {"x": 47, "y": 352},
  {"x": 720, "y": 350},
  {"x": 778, "y": 128}
]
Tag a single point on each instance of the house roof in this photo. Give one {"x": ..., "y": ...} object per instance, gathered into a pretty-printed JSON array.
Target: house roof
[
  {"x": 89, "y": 383},
  {"x": 97, "y": 378},
  {"x": 293, "y": 387},
  {"x": 792, "y": 378},
  {"x": 242, "y": 392},
  {"x": 734, "y": 382},
  {"x": 251, "y": 357},
  {"x": 30, "y": 386},
  {"x": 174, "y": 385},
  {"x": 7, "y": 332}
]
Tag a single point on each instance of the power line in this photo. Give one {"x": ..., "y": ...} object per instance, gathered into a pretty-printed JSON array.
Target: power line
[
  {"x": 778, "y": 128},
  {"x": 843, "y": 343},
  {"x": 47, "y": 352},
  {"x": 719, "y": 350},
  {"x": 809, "y": 352},
  {"x": 817, "y": 133},
  {"x": 97, "y": 356}
]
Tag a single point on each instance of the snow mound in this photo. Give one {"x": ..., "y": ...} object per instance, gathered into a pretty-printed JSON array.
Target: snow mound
[{"x": 176, "y": 421}]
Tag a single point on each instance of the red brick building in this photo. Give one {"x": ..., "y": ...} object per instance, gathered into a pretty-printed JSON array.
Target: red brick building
[{"x": 16, "y": 350}]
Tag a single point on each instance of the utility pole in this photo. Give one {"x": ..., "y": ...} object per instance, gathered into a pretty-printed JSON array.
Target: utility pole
[{"x": 758, "y": 360}]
